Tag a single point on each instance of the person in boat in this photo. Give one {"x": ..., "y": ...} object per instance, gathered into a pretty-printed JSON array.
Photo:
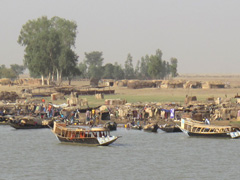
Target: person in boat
[
  {"x": 72, "y": 117},
  {"x": 133, "y": 123},
  {"x": 4, "y": 112},
  {"x": 49, "y": 110},
  {"x": 138, "y": 123},
  {"x": 93, "y": 116},
  {"x": 1, "y": 112},
  {"x": 207, "y": 121}
]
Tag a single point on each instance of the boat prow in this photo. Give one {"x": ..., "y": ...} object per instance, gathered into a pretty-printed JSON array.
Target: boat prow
[
  {"x": 105, "y": 141},
  {"x": 235, "y": 134}
]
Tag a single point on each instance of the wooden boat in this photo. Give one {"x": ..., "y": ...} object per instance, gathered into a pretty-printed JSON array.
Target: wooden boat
[
  {"x": 4, "y": 120},
  {"x": 137, "y": 127},
  {"x": 30, "y": 122},
  {"x": 150, "y": 128},
  {"x": 193, "y": 128},
  {"x": 82, "y": 136},
  {"x": 112, "y": 126},
  {"x": 170, "y": 128}
]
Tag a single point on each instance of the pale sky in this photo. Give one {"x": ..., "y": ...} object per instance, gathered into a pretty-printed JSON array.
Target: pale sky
[{"x": 204, "y": 35}]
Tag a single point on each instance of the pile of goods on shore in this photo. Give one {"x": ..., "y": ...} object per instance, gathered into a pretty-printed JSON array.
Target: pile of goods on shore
[{"x": 8, "y": 96}]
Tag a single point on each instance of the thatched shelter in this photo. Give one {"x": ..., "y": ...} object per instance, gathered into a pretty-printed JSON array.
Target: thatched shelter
[
  {"x": 213, "y": 85},
  {"x": 121, "y": 83},
  {"x": 107, "y": 82},
  {"x": 94, "y": 82},
  {"x": 172, "y": 84},
  {"x": 5, "y": 81},
  {"x": 133, "y": 84},
  {"x": 138, "y": 84},
  {"x": 192, "y": 85},
  {"x": 29, "y": 81},
  {"x": 157, "y": 83},
  {"x": 115, "y": 101}
]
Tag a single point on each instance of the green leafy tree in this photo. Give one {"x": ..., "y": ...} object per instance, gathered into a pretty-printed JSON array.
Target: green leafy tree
[
  {"x": 46, "y": 42},
  {"x": 108, "y": 71},
  {"x": 68, "y": 65},
  {"x": 7, "y": 72},
  {"x": 158, "y": 68},
  {"x": 144, "y": 67},
  {"x": 67, "y": 59},
  {"x": 128, "y": 67},
  {"x": 34, "y": 35},
  {"x": 18, "y": 69},
  {"x": 168, "y": 69},
  {"x": 94, "y": 61},
  {"x": 83, "y": 69},
  {"x": 154, "y": 67},
  {"x": 94, "y": 58},
  {"x": 137, "y": 70},
  {"x": 118, "y": 72},
  {"x": 1, "y": 70},
  {"x": 173, "y": 66}
]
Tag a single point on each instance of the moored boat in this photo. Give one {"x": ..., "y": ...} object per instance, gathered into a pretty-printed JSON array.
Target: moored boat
[
  {"x": 4, "y": 120},
  {"x": 97, "y": 136},
  {"x": 29, "y": 122},
  {"x": 151, "y": 127},
  {"x": 170, "y": 128},
  {"x": 112, "y": 126},
  {"x": 193, "y": 128},
  {"x": 137, "y": 127}
]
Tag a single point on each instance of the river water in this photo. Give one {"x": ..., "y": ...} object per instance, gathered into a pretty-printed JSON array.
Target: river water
[{"x": 37, "y": 154}]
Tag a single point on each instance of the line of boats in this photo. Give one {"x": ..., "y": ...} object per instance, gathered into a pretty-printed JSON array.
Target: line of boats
[{"x": 100, "y": 136}]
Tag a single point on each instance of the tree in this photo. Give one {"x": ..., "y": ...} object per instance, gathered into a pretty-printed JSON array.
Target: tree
[
  {"x": 67, "y": 33},
  {"x": 32, "y": 36},
  {"x": 155, "y": 65},
  {"x": 173, "y": 67},
  {"x": 68, "y": 66},
  {"x": 118, "y": 72},
  {"x": 168, "y": 70},
  {"x": 83, "y": 69},
  {"x": 144, "y": 67},
  {"x": 18, "y": 69},
  {"x": 94, "y": 63},
  {"x": 137, "y": 70},
  {"x": 67, "y": 61},
  {"x": 7, "y": 72},
  {"x": 129, "y": 70},
  {"x": 94, "y": 58},
  {"x": 74, "y": 72},
  {"x": 46, "y": 44},
  {"x": 108, "y": 71},
  {"x": 157, "y": 68}
]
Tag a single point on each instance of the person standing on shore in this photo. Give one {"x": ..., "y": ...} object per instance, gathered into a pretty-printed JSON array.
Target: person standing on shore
[{"x": 87, "y": 115}]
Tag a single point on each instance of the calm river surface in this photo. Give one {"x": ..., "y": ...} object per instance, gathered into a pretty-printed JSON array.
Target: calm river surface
[{"x": 37, "y": 154}]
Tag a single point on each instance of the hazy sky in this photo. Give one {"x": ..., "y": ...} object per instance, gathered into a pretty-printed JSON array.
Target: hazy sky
[{"x": 204, "y": 35}]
